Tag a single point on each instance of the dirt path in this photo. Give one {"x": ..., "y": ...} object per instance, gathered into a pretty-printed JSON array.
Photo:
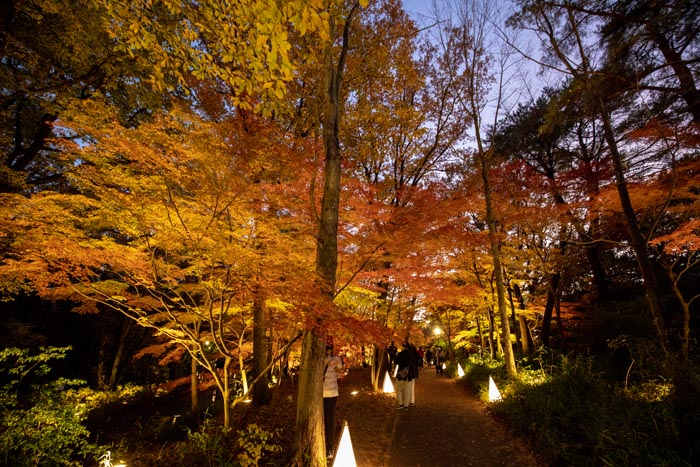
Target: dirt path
[{"x": 446, "y": 428}]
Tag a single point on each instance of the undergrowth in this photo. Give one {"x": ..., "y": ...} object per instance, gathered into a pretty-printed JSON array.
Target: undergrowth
[{"x": 574, "y": 414}]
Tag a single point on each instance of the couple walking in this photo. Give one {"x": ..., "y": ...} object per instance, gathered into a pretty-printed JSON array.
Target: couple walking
[{"x": 406, "y": 375}]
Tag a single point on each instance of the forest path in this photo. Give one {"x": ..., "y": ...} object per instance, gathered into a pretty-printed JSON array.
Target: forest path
[{"x": 446, "y": 428}]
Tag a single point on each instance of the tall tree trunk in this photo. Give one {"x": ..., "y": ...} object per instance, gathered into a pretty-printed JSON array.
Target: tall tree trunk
[
  {"x": 524, "y": 335},
  {"x": 508, "y": 356},
  {"x": 482, "y": 338},
  {"x": 600, "y": 289},
  {"x": 639, "y": 244},
  {"x": 194, "y": 387},
  {"x": 226, "y": 392},
  {"x": 492, "y": 328},
  {"x": 549, "y": 308},
  {"x": 310, "y": 438},
  {"x": 261, "y": 390},
  {"x": 688, "y": 89},
  {"x": 514, "y": 318},
  {"x": 194, "y": 383},
  {"x": 126, "y": 326},
  {"x": 525, "y": 339}
]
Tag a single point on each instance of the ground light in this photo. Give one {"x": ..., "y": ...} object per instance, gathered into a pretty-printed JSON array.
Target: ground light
[
  {"x": 345, "y": 456},
  {"x": 494, "y": 393},
  {"x": 460, "y": 371},
  {"x": 388, "y": 387},
  {"x": 106, "y": 461}
]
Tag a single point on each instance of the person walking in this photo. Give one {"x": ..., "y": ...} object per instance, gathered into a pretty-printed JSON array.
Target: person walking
[
  {"x": 414, "y": 373},
  {"x": 391, "y": 351},
  {"x": 406, "y": 371},
  {"x": 331, "y": 372},
  {"x": 437, "y": 356}
]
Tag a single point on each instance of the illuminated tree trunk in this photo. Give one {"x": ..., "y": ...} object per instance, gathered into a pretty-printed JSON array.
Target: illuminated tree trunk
[
  {"x": 492, "y": 327},
  {"x": 509, "y": 358},
  {"x": 482, "y": 338},
  {"x": 261, "y": 389},
  {"x": 194, "y": 387},
  {"x": 310, "y": 437},
  {"x": 549, "y": 308}
]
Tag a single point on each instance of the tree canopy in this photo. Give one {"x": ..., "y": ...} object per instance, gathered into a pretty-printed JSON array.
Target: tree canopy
[{"x": 314, "y": 170}]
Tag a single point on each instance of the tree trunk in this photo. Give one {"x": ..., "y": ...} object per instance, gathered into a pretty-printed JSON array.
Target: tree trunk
[
  {"x": 514, "y": 318},
  {"x": 525, "y": 339},
  {"x": 482, "y": 338},
  {"x": 601, "y": 291},
  {"x": 226, "y": 393},
  {"x": 310, "y": 438},
  {"x": 549, "y": 308},
  {"x": 492, "y": 326},
  {"x": 194, "y": 387},
  {"x": 637, "y": 240},
  {"x": 126, "y": 326},
  {"x": 524, "y": 335},
  {"x": 509, "y": 358},
  {"x": 261, "y": 389},
  {"x": 688, "y": 90}
]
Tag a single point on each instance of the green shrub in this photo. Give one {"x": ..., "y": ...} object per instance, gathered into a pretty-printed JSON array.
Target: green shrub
[
  {"x": 477, "y": 371},
  {"x": 254, "y": 444},
  {"x": 41, "y": 419},
  {"x": 210, "y": 446},
  {"x": 575, "y": 416}
]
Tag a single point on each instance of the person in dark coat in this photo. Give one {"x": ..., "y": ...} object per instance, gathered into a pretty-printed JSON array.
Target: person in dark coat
[{"x": 406, "y": 374}]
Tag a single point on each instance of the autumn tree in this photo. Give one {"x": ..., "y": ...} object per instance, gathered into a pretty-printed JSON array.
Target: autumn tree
[
  {"x": 562, "y": 28},
  {"x": 165, "y": 233},
  {"x": 652, "y": 48},
  {"x": 562, "y": 153},
  {"x": 400, "y": 129},
  {"x": 466, "y": 53},
  {"x": 310, "y": 442}
]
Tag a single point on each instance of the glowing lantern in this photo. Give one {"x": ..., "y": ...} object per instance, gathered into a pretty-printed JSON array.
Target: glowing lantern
[
  {"x": 494, "y": 393},
  {"x": 345, "y": 456},
  {"x": 388, "y": 385}
]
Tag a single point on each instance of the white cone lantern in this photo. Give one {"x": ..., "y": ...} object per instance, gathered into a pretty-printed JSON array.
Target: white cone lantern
[
  {"x": 494, "y": 393},
  {"x": 388, "y": 386},
  {"x": 460, "y": 371},
  {"x": 345, "y": 456}
]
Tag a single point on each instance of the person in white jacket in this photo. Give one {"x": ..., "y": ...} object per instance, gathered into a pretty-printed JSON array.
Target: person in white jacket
[{"x": 332, "y": 370}]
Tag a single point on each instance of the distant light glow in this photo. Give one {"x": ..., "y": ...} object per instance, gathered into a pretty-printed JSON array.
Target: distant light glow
[
  {"x": 437, "y": 331},
  {"x": 388, "y": 387},
  {"x": 355, "y": 392},
  {"x": 494, "y": 393},
  {"x": 345, "y": 457}
]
